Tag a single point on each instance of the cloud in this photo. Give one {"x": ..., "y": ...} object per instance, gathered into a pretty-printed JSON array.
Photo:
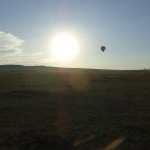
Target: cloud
[
  {"x": 11, "y": 53},
  {"x": 25, "y": 59},
  {"x": 9, "y": 44}
]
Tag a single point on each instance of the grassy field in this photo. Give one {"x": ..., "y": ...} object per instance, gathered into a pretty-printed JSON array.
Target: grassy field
[{"x": 75, "y": 109}]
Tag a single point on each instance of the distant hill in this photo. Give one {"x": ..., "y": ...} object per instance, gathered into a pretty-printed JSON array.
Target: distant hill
[
  {"x": 16, "y": 68},
  {"x": 22, "y": 68}
]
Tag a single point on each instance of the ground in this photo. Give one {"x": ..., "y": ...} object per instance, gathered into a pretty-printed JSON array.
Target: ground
[{"x": 75, "y": 109}]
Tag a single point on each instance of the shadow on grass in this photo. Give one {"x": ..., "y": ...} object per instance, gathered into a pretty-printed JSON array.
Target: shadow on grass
[{"x": 34, "y": 141}]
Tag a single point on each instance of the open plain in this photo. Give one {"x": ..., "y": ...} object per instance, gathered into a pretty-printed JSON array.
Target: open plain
[{"x": 74, "y": 109}]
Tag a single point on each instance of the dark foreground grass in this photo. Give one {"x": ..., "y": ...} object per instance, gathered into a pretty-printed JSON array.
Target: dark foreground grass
[{"x": 75, "y": 109}]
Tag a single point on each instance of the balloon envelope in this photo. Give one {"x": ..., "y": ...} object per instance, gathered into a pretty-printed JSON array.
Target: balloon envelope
[{"x": 103, "y": 48}]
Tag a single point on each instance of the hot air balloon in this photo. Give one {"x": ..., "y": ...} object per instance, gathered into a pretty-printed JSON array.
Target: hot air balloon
[{"x": 103, "y": 48}]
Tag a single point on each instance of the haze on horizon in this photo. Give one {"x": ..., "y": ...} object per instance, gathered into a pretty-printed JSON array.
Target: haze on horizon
[{"x": 29, "y": 29}]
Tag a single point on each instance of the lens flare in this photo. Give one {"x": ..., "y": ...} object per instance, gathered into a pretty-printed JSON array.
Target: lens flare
[{"x": 78, "y": 79}]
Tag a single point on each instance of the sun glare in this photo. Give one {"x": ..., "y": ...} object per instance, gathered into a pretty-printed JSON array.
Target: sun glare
[{"x": 64, "y": 47}]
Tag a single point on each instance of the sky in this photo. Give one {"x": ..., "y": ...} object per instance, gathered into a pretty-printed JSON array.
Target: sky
[{"x": 27, "y": 28}]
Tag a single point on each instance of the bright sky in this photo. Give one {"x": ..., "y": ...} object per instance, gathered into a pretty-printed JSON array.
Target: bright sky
[{"x": 28, "y": 27}]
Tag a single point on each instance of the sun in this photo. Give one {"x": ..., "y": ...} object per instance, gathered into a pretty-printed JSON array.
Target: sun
[{"x": 64, "y": 46}]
